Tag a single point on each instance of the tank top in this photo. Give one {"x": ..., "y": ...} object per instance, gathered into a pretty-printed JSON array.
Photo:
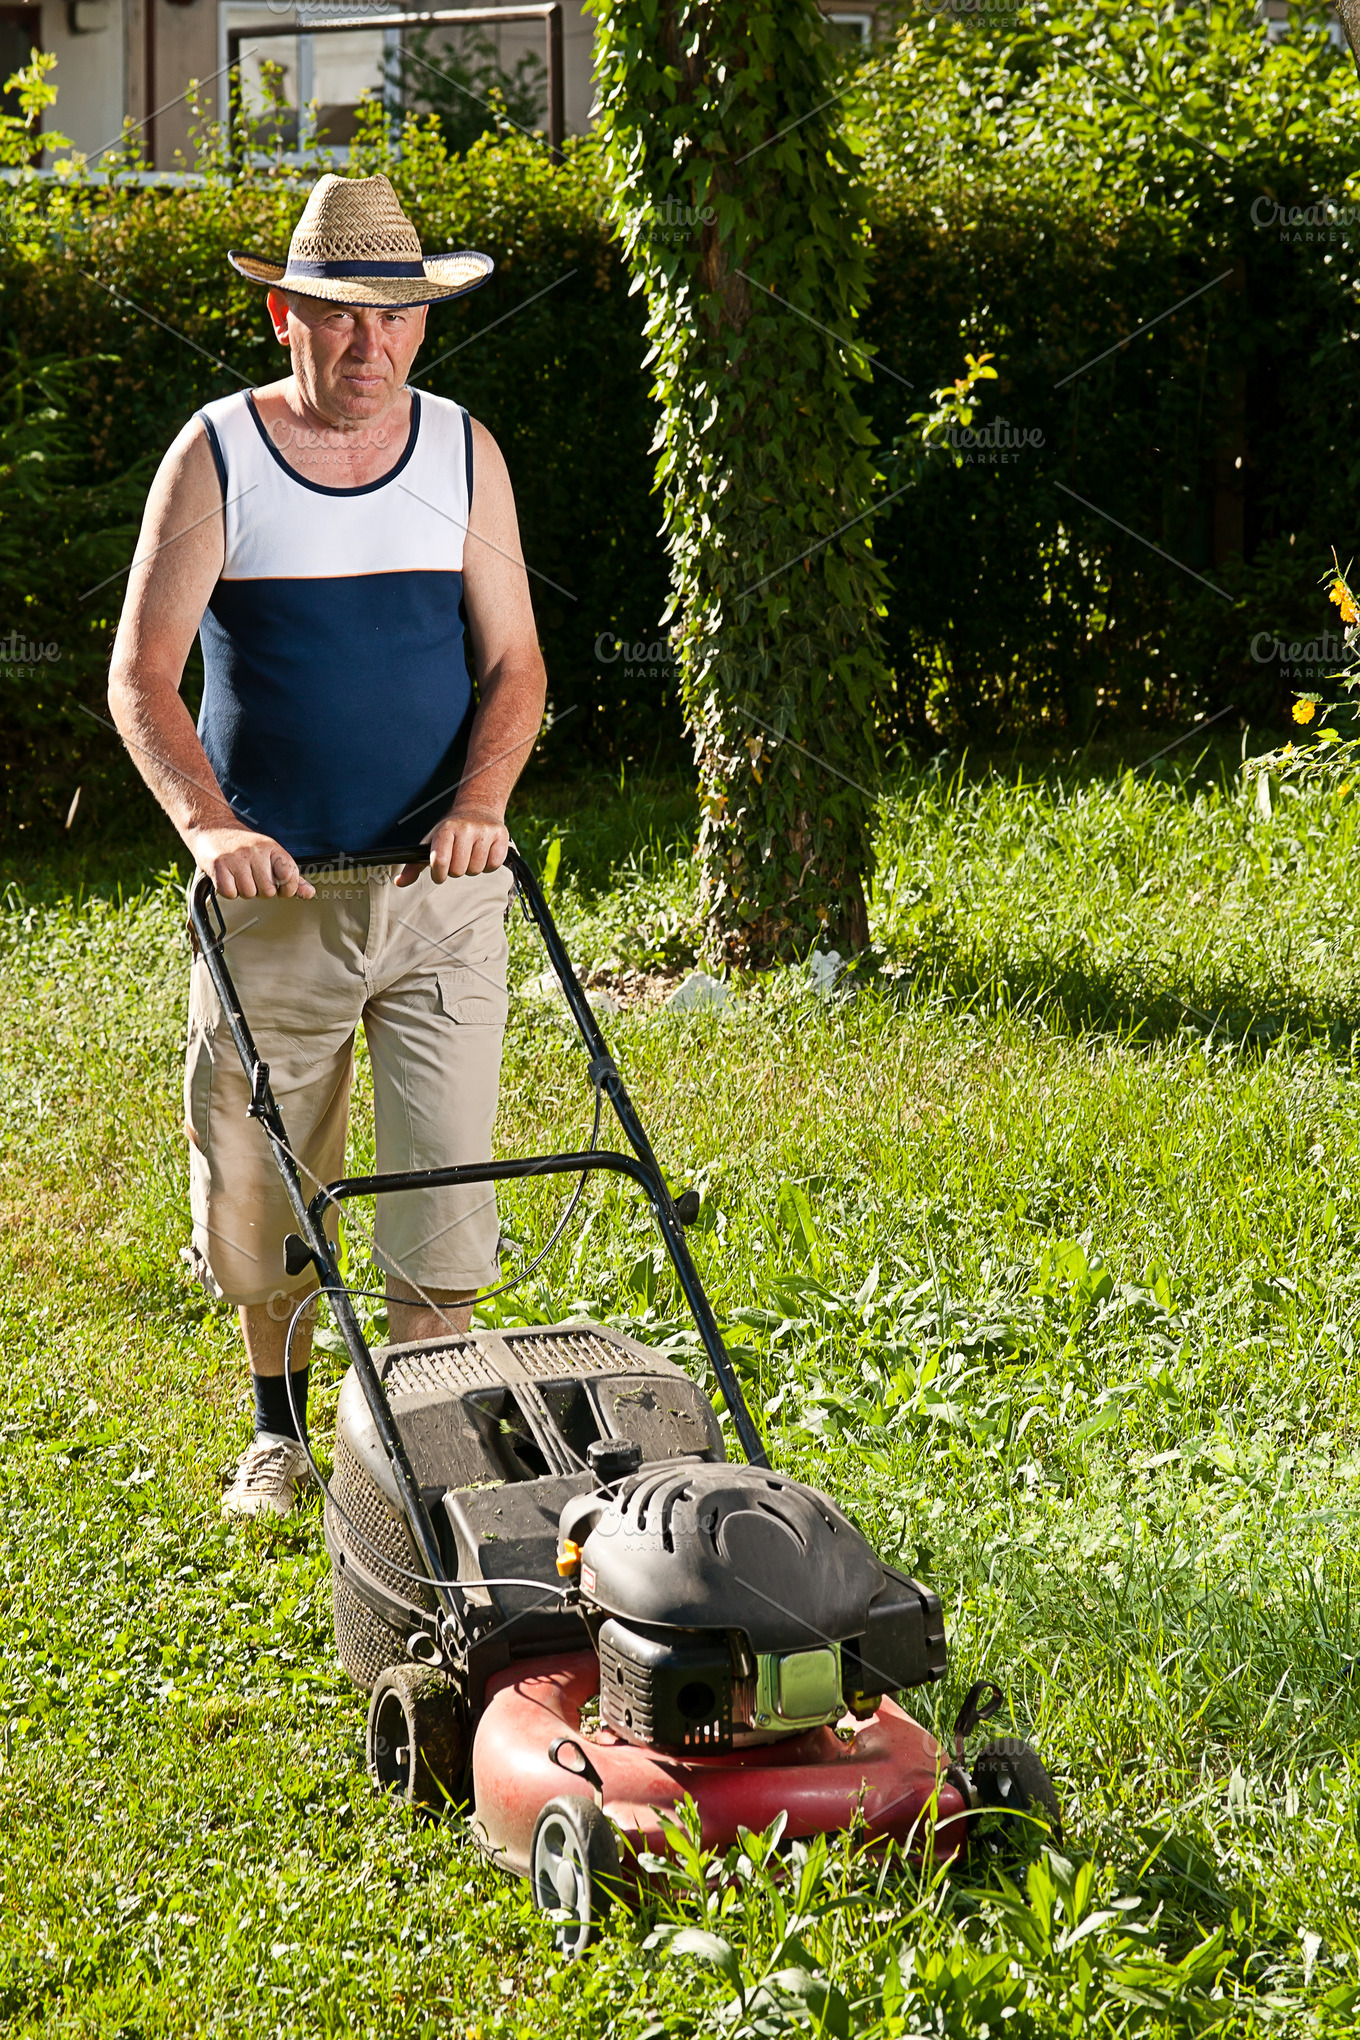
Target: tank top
[{"x": 336, "y": 692}]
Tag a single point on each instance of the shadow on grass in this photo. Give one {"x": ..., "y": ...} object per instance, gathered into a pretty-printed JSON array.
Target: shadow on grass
[
  {"x": 104, "y": 867},
  {"x": 1136, "y": 1003},
  {"x": 599, "y": 823}
]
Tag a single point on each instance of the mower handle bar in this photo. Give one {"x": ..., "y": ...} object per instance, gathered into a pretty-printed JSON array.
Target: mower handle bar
[{"x": 313, "y": 1244}]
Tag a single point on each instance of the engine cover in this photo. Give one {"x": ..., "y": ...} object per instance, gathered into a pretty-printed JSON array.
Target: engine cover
[{"x": 740, "y": 1549}]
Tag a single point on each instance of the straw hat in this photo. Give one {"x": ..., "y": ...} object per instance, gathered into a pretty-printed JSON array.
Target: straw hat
[{"x": 355, "y": 246}]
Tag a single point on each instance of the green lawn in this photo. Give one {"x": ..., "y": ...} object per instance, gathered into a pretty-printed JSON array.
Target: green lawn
[{"x": 1039, "y": 1253}]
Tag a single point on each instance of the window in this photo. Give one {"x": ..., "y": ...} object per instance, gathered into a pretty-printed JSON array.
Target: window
[
  {"x": 332, "y": 70},
  {"x": 20, "y": 35},
  {"x": 850, "y": 28}
]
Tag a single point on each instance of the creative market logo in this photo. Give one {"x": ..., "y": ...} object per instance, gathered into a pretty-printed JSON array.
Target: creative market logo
[
  {"x": 667, "y": 220},
  {"x": 18, "y": 655},
  {"x": 1299, "y": 659},
  {"x": 994, "y": 445},
  {"x": 642, "y": 661},
  {"x": 1322, "y": 221}
]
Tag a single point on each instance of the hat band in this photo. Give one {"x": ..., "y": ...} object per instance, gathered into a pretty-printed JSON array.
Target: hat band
[{"x": 337, "y": 270}]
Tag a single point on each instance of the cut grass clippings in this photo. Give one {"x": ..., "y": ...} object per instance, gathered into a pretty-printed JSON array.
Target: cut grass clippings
[{"x": 1039, "y": 1253}]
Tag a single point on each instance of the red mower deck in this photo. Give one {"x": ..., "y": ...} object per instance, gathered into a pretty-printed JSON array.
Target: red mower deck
[{"x": 888, "y": 1769}]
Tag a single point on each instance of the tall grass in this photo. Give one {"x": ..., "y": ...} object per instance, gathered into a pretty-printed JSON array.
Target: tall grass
[{"x": 1039, "y": 1251}]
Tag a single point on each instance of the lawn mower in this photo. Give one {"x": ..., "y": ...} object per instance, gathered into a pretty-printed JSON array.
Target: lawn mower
[{"x": 570, "y": 1609}]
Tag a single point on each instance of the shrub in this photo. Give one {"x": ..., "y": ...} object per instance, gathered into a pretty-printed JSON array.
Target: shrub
[{"x": 1044, "y": 188}]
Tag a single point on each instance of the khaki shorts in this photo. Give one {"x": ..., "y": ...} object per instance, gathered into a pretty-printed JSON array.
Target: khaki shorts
[{"x": 424, "y": 970}]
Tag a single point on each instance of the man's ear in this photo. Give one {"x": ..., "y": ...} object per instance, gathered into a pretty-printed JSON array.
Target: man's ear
[{"x": 278, "y": 312}]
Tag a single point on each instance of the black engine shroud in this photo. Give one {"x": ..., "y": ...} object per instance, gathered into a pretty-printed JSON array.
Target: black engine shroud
[{"x": 740, "y": 1603}]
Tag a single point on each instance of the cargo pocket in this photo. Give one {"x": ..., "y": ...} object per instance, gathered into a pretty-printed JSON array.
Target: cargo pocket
[{"x": 472, "y": 997}]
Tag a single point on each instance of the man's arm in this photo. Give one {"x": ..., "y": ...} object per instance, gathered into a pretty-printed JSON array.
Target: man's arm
[
  {"x": 511, "y": 681},
  {"x": 178, "y": 561}
]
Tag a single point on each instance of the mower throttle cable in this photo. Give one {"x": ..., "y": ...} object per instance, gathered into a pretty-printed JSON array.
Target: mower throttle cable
[{"x": 485, "y": 1295}]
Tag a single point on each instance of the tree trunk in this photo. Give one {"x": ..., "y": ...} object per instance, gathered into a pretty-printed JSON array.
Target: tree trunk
[
  {"x": 1349, "y": 11},
  {"x": 739, "y": 209}
]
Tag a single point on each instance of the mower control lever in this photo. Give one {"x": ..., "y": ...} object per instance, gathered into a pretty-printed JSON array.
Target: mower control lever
[
  {"x": 569, "y": 1756},
  {"x": 260, "y": 1100},
  {"x": 983, "y": 1699},
  {"x": 297, "y": 1255}
]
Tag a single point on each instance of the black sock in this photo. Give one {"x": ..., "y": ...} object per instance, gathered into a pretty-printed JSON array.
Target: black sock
[{"x": 271, "y": 1403}]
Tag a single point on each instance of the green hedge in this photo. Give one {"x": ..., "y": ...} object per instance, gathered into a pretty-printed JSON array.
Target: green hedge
[
  {"x": 559, "y": 382},
  {"x": 1044, "y": 189}
]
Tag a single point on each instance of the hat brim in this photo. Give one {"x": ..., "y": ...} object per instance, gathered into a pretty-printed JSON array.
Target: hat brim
[{"x": 446, "y": 276}]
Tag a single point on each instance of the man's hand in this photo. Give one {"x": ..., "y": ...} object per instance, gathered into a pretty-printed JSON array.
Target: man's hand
[
  {"x": 466, "y": 842},
  {"x": 245, "y": 866}
]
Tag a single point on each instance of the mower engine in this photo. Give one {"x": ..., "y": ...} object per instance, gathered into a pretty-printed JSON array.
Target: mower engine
[
  {"x": 732, "y": 1606},
  {"x": 727, "y": 1604},
  {"x": 502, "y": 1430}
]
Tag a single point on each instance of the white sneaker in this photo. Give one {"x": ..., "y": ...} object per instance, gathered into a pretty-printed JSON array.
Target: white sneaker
[{"x": 272, "y": 1473}]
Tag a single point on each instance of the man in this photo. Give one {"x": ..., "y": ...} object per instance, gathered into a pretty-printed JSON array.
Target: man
[{"x": 348, "y": 552}]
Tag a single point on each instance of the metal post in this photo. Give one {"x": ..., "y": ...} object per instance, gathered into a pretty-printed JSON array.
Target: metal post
[
  {"x": 234, "y": 95},
  {"x": 149, "y": 71},
  {"x": 555, "y": 121}
]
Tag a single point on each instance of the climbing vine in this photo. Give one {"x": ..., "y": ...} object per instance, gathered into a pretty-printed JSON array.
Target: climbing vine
[{"x": 736, "y": 198}]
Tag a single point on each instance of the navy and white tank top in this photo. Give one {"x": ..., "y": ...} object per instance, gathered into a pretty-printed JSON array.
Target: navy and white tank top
[{"x": 336, "y": 696}]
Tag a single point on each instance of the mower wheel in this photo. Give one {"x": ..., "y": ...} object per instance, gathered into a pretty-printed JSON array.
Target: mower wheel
[
  {"x": 574, "y": 1870},
  {"x": 417, "y": 1737},
  {"x": 1011, "y": 1779}
]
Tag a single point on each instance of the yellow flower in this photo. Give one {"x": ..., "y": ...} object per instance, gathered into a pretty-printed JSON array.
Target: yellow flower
[
  {"x": 1304, "y": 711},
  {"x": 1341, "y": 595}
]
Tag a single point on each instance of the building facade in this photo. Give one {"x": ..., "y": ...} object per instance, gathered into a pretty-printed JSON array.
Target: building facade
[{"x": 132, "y": 62}]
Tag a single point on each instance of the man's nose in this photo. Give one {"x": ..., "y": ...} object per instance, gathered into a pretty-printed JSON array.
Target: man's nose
[{"x": 366, "y": 341}]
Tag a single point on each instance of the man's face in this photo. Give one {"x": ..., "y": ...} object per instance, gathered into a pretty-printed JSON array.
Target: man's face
[{"x": 350, "y": 361}]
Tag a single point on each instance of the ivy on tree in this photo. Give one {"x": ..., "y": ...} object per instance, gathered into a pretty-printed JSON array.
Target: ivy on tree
[{"x": 736, "y": 196}]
